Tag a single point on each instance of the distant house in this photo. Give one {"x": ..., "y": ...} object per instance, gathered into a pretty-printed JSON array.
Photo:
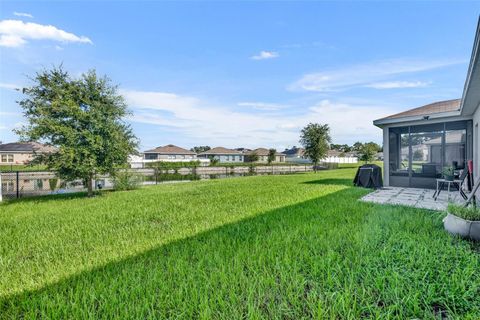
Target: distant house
[
  {"x": 170, "y": 153},
  {"x": 296, "y": 155},
  {"x": 243, "y": 150},
  {"x": 20, "y": 153},
  {"x": 222, "y": 155},
  {"x": 334, "y": 156},
  {"x": 262, "y": 154}
]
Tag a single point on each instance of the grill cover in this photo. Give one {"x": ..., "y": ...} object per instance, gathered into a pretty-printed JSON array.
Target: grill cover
[{"x": 369, "y": 176}]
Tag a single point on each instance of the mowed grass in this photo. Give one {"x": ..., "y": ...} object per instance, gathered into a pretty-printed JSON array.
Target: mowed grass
[{"x": 285, "y": 247}]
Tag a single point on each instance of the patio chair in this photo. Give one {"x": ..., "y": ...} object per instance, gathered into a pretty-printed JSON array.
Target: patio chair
[{"x": 458, "y": 183}]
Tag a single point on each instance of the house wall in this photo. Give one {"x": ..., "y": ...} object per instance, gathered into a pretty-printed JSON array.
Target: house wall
[
  {"x": 171, "y": 156},
  {"x": 225, "y": 158},
  {"x": 18, "y": 158},
  {"x": 476, "y": 143},
  {"x": 335, "y": 159}
]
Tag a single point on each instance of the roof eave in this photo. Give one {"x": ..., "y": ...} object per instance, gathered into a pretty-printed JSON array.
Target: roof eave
[{"x": 386, "y": 121}]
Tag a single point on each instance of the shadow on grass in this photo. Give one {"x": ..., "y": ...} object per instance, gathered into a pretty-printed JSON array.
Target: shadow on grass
[
  {"x": 291, "y": 262},
  {"x": 332, "y": 181},
  {"x": 53, "y": 197},
  {"x": 215, "y": 270}
]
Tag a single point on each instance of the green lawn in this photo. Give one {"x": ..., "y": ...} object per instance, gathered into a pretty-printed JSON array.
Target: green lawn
[{"x": 289, "y": 247}]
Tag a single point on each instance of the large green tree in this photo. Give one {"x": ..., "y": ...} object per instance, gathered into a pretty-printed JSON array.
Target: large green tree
[
  {"x": 316, "y": 140},
  {"x": 83, "y": 118},
  {"x": 271, "y": 155}
]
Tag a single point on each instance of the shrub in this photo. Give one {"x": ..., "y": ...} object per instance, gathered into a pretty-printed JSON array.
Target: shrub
[
  {"x": 125, "y": 179},
  {"x": 53, "y": 183},
  {"x": 468, "y": 213}
]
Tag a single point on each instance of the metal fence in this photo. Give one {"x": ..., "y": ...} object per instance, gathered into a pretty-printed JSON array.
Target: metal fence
[{"x": 20, "y": 184}]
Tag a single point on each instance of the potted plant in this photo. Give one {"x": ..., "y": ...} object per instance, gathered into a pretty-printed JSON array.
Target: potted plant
[
  {"x": 448, "y": 173},
  {"x": 463, "y": 221}
]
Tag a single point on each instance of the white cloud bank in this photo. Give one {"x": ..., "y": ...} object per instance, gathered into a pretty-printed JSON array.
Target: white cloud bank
[
  {"x": 201, "y": 122},
  {"x": 263, "y": 55},
  {"x": 22, "y": 14},
  {"x": 15, "y": 33},
  {"x": 398, "y": 84},
  {"x": 366, "y": 74}
]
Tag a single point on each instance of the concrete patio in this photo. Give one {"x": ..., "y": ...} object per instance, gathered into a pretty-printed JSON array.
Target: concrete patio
[{"x": 414, "y": 197}]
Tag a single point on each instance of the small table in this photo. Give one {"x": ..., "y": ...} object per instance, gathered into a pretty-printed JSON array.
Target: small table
[{"x": 441, "y": 184}]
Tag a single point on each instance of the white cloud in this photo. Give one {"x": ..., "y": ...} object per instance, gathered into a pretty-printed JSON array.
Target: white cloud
[
  {"x": 398, "y": 84},
  {"x": 15, "y": 33},
  {"x": 9, "y": 86},
  {"x": 22, "y": 14},
  {"x": 199, "y": 121},
  {"x": 364, "y": 74},
  {"x": 265, "y": 55},
  {"x": 262, "y": 106}
]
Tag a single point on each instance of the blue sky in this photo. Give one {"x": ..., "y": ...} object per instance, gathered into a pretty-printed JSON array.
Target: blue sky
[{"x": 248, "y": 74}]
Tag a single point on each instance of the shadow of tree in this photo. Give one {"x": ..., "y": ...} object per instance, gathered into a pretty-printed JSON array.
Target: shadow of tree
[
  {"x": 257, "y": 266},
  {"x": 308, "y": 260},
  {"x": 339, "y": 181}
]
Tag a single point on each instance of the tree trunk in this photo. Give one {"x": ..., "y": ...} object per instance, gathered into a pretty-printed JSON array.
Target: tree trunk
[{"x": 89, "y": 185}]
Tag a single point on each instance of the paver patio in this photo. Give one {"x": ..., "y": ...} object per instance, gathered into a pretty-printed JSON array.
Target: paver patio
[{"x": 415, "y": 197}]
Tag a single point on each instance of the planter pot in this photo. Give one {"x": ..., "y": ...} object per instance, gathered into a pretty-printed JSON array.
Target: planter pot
[
  {"x": 449, "y": 178},
  {"x": 462, "y": 227}
]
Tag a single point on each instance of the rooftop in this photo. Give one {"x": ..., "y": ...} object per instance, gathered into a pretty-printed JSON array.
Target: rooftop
[
  {"x": 26, "y": 147},
  {"x": 427, "y": 110},
  {"x": 170, "y": 149},
  {"x": 220, "y": 150}
]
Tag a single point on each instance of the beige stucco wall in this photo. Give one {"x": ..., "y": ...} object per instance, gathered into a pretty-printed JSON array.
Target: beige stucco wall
[{"x": 18, "y": 158}]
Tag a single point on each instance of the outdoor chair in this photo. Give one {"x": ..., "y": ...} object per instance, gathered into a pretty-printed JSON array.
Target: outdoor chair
[{"x": 458, "y": 183}]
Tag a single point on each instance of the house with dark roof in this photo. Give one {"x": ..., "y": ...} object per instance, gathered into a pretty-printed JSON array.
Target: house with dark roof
[
  {"x": 223, "y": 155},
  {"x": 262, "y": 154},
  {"x": 420, "y": 142},
  {"x": 20, "y": 153}
]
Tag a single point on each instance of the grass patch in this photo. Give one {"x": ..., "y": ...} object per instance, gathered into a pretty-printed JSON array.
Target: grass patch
[
  {"x": 293, "y": 246},
  {"x": 470, "y": 213}
]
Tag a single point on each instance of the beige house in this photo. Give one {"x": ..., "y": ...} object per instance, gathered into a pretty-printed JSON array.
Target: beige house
[
  {"x": 20, "y": 153},
  {"x": 223, "y": 155},
  {"x": 262, "y": 154}
]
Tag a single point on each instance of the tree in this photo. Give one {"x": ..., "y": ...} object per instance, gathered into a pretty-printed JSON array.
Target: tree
[
  {"x": 316, "y": 140},
  {"x": 418, "y": 155},
  {"x": 368, "y": 150},
  {"x": 271, "y": 155},
  {"x": 252, "y": 157},
  {"x": 200, "y": 149},
  {"x": 357, "y": 146},
  {"x": 83, "y": 119}
]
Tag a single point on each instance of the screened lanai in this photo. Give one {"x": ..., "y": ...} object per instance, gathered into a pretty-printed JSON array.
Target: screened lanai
[{"x": 417, "y": 154}]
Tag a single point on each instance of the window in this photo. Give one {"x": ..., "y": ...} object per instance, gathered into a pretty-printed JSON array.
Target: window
[
  {"x": 151, "y": 156},
  {"x": 38, "y": 184},
  {"x": 8, "y": 186},
  {"x": 7, "y": 158}
]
